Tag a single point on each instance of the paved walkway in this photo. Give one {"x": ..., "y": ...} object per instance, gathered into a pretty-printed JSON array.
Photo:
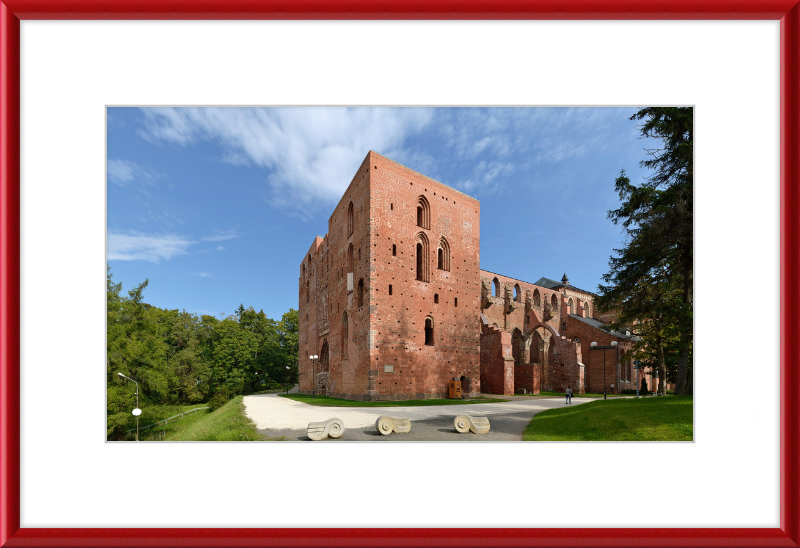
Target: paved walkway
[{"x": 277, "y": 417}]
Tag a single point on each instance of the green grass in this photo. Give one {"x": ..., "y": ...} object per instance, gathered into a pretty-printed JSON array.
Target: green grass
[
  {"x": 228, "y": 423},
  {"x": 153, "y": 413},
  {"x": 325, "y": 401},
  {"x": 668, "y": 418},
  {"x": 587, "y": 395}
]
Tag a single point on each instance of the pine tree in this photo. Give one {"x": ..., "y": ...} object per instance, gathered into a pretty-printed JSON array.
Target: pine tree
[{"x": 650, "y": 279}]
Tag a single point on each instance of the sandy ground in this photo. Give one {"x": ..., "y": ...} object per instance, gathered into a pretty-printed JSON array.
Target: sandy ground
[{"x": 278, "y": 417}]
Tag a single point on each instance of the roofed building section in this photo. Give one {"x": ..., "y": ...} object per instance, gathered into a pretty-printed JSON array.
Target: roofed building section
[{"x": 552, "y": 284}]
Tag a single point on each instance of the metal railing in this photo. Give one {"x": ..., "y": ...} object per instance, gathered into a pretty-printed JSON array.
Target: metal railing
[{"x": 166, "y": 421}]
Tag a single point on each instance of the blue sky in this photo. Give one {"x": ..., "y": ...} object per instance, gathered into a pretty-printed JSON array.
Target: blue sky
[{"x": 216, "y": 206}]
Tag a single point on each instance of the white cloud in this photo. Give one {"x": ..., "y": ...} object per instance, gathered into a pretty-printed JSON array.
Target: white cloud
[
  {"x": 311, "y": 153},
  {"x": 485, "y": 175},
  {"x": 202, "y": 274},
  {"x": 136, "y": 246},
  {"x": 220, "y": 235},
  {"x": 122, "y": 172}
]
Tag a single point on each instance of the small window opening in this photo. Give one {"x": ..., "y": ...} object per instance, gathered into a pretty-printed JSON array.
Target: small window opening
[
  {"x": 436, "y": 299},
  {"x": 390, "y": 289},
  {"x": 391, "y": 207},
  {"x": 428, "y": 332},
  {"x": 394, "y": 250},
  {"x": 456, "y": 301},
  {"x": 360, "y": 293}
]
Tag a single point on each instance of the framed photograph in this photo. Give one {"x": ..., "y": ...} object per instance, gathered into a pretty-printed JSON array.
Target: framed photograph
[{"x": 62, "y": 64}]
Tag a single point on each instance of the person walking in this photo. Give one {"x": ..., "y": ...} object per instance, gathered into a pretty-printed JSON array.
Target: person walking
[{"x": 569, "y": 395}]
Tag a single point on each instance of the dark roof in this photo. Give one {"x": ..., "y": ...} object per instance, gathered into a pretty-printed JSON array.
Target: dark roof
[
  {"x": 552, "y": 284},
  {"x": 597, "y": 324}
]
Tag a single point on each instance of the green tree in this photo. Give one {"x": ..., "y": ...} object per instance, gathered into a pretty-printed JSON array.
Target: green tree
[
  {"x": 289, "y": 334},
  {"x": 136, "y": 348},
  {"x": 650, "y": 279}
]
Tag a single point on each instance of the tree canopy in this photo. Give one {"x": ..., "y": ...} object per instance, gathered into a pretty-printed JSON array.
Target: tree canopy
[
  {"x": 650, "y": 280},
  {"x": 181, "y": 358}
]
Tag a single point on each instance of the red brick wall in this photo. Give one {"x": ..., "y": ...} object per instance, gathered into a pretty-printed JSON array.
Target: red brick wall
[
  {"x": 620, "y": 377},
  {"x": 497, "y": 363},
  {"x": 398, "y": 320},
  {"x": 321, "y": 314}
]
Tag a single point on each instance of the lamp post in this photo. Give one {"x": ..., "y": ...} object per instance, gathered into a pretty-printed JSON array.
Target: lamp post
[
  {"x": 287, "y": 380},
  {"x": 604, "y": 348},
  {"x": 137, "y": 411},
  {"x": 636, "y": 366},
  {"x": 313, "y": 376}
]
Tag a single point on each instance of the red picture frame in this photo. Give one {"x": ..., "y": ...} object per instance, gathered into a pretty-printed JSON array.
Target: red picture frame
[{"x": 12, "y": 11}]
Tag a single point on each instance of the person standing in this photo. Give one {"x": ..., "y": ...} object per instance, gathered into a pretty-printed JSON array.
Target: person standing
[{"x": 569, "y": 395}]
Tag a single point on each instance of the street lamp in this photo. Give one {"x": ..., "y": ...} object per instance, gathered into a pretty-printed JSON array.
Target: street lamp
[
  {"x": 313, "y": 376},
  {"x": 137, "y": 411},
  {"x": 604, "y": 348},
  {"x": 287, "y": 380}
]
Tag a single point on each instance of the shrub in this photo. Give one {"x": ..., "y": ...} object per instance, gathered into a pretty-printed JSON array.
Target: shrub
[
  {"x": 644, "y": 386},
  {"x": 219, "y": 399}
]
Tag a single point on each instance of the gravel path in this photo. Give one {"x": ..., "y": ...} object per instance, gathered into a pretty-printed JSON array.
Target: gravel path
[{"x": 277, "y": 417}]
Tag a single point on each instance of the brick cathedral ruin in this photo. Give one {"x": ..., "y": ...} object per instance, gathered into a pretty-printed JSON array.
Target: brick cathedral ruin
[{"x": 395, "y": 304}]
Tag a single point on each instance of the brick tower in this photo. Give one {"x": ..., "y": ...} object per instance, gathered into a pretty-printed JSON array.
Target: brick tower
[{"x": 390, "y": 297}]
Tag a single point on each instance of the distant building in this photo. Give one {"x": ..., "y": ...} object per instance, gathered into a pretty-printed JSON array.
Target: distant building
[{"x": 394, "y": 303}]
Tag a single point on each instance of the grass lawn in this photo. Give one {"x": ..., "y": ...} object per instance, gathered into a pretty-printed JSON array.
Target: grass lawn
[
  {"x": 154, "y": 413},
  {"x": 587, "y": 395},
  {"x": 228, "y": 423},
  {"x": 325, "y": 401},
  {"x": 668, "y": 418}
]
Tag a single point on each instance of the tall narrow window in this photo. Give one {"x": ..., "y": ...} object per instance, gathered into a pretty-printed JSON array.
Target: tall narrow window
[
  {"x": 390, "y": 289},
  {"x": 456, "y": 301},
  {"x": 429, "y": 331},
  {"x": 361, "y": 292},
  {"x": 495, "y": 288},
  {"x": 350, "y": 220},
  {"x": 554, "y": 304},
  {"x": 422, "y": 257},
  {"x": 436, "y": 299},
  {"x": 443, "y": 255},
  {"x": 537, "y": 299},
  {"x": 344, "y": 336},
  {"x": 571, "y": 306},
  {"x": 394, "y": 250},
  {"x": 391, "y": 207},
  {"x": 350, "y": 258},
  {"x": 517, "y": 293},
  {"x": 423, "y": 213}
]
